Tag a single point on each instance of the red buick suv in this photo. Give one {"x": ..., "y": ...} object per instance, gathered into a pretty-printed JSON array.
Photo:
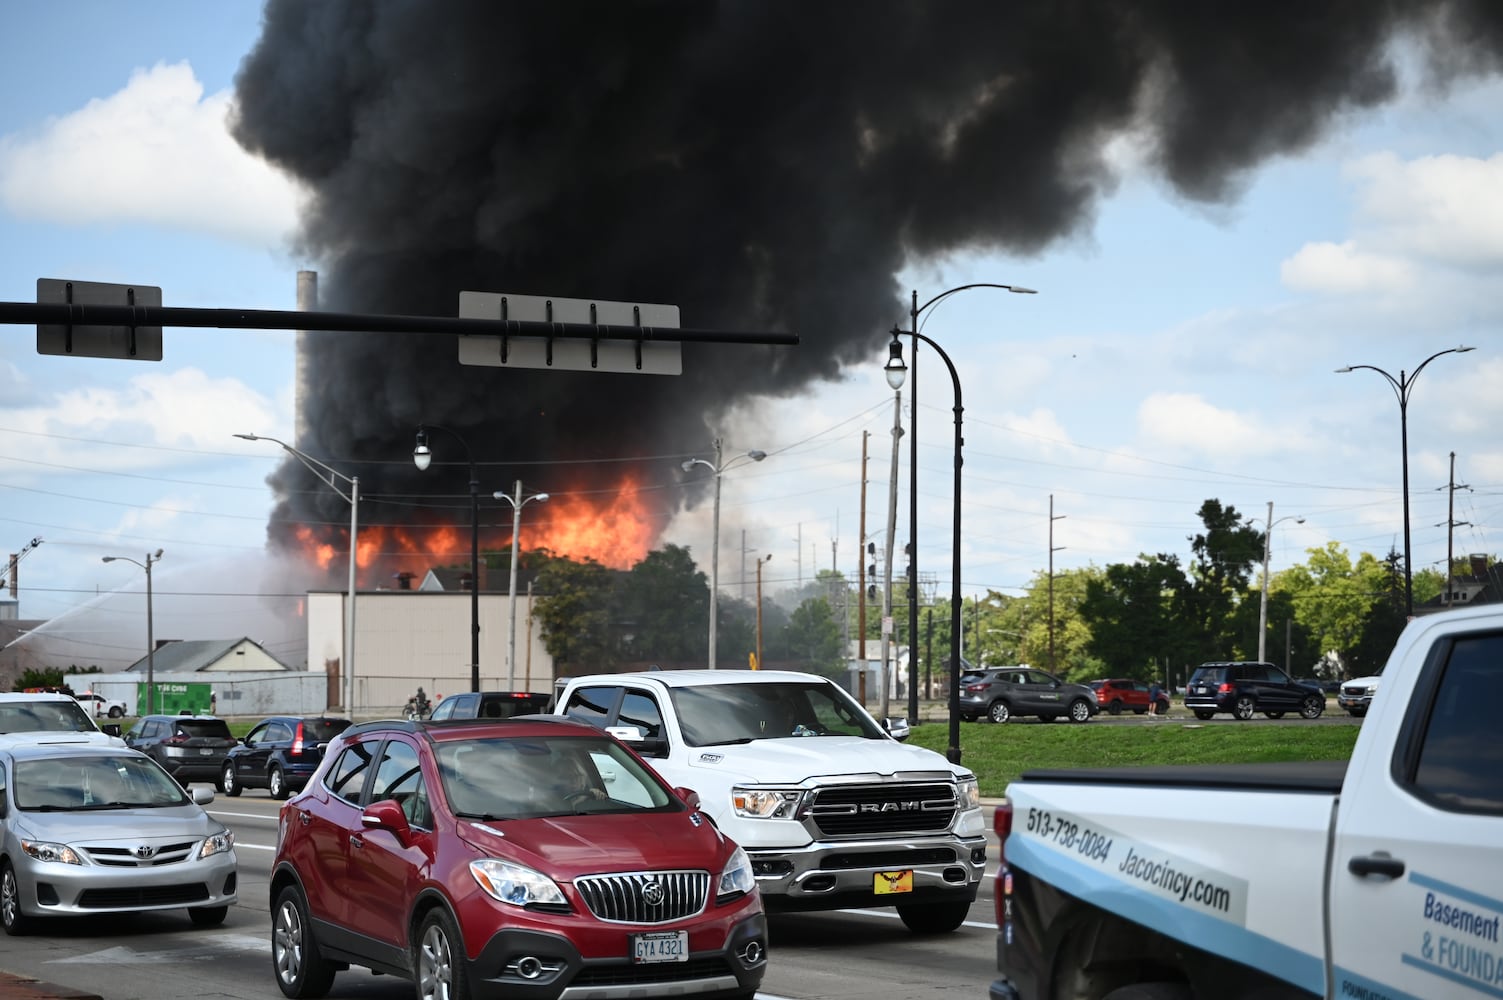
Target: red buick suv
[{"x": 517, "y": 858}]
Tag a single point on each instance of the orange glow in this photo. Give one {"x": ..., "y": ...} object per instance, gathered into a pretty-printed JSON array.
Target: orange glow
[{"x": 611, "y": 527}]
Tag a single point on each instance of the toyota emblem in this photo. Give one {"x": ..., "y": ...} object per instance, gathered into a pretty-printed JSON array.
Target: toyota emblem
[
  {"x": 146, "y": 851},
  {"x": 652, "y": 893}
]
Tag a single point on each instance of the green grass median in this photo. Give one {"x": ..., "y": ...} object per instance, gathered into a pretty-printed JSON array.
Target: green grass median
[{"x": 998, "y": 754}]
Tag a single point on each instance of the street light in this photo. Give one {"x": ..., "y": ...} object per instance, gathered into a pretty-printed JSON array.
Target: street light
[
  {"x": 718, "y": 467},
  {"x": 517, "y": 503},
  {"x": 896, "y": 371},
  {"x": 1263, "y": 607},
  {"x": 422, "y": 457},
  {"x": 914, "y": 311},
  {"x": 331, "y": 478},
  {"x": 151, "y": 690},
  {"x": 1401, "y": 388}
]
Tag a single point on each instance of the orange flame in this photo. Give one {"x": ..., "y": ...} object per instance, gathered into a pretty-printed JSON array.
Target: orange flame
[{"x": 613, "y": 528}]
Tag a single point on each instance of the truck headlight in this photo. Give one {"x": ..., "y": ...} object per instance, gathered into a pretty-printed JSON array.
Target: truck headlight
[
  {"x": 736, "y": 878},
  {"x": 968, "y": 793},
  {"x": 217, "y": 843},
  {"x": 515, "y": 884},
  {"x": 765, "y": 803},
  {"x": 41, "y": 850}
]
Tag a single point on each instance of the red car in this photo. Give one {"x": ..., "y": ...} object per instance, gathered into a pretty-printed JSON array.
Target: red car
[
  {"x": 508, "y": 858},
  {"x": 1120, "y": 694}
]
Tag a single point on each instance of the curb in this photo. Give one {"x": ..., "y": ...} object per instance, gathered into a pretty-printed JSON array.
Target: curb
[{"x": 17, "y": 987}]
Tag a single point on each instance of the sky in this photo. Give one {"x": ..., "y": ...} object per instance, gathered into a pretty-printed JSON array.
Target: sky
[{"x": 1176, "y": 351}]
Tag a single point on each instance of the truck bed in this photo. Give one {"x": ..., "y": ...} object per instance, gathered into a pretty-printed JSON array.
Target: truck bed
[{"x": 1322, "y": 777}]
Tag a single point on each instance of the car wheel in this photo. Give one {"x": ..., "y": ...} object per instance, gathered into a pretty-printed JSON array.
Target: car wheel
[
  {"x": 276, "y": 783},
  {"x": 1244, "y": 708},
  {"x": 1274, "y": 715},
  {"x": 934, "y": 918},
  {"x": 1080, "y": 711},
  {"x": 10, "y": 902},
  {"x": 999, "y": 712},
  {"x": 1202, "y": 715},
  {"x": 1151, "y": 991},
  {"x": 440, "y": 967},
  {"x": 115, "y": 712},
  {"x": 1312, "y": 706},
  {"x": 207, "y": 916},
  {"x": 1115, "y": 708},
  {"x": 1162, "y": 708},
  {"x": 227, "y": 783},
  {"x": 300, "y": 969}
]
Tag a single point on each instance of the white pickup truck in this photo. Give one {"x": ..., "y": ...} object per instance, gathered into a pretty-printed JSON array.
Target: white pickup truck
[
  {"x": 1380, "y": 878},
  {"x": 833, "y": 811}
]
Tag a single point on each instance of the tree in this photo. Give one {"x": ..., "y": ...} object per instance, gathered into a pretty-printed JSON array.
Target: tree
[
  {"x": 665, "y": 605},
  {"x": 1224, "y": 555},
  {"x": 1133, "y": 611},
  {"x": 576, "y": 613},
  {"x": 814, "y": 638}
]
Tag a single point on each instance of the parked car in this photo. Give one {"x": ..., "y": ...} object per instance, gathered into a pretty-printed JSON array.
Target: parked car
[
  {"x": 490, "y": 705},
  {"x": 48, "y": 712},
  {"x": 1247, "y": 688},
  {"x": 99, "y": 706},
  {"x": 189, "y": 747},
  {"x": 1118, "y": 693},
  {"x": 523, "y": 858},
  {"x": 1000, "y": 694},
  {"x": 89, "y": 829},
  {"x": 279, "y": 754},
  {"x": 1356, "y": 695}
]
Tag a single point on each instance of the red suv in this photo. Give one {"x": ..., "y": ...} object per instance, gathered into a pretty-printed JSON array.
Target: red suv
[
  {"x": 508, "y": 858},
  {"x": 1120, "y": 693}
]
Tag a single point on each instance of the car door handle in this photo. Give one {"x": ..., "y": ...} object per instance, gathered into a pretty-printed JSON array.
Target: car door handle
[
  {"x": 305, "y": 816},
  {"x": 357, "y": 841},
  {"x": 1376, "y": 864}
]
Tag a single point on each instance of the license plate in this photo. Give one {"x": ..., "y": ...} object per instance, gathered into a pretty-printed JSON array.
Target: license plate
[
  {"x": 885, "y": 883},
  {"x": 660, "y": 946},
  {"x": 206, "y": 751}
]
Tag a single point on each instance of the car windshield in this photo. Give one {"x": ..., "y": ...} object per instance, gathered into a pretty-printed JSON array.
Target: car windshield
[
  {"x": 45, "y": 717},
  {"x": 717, "y": 714},
  {"x": 86, "y": 782},
  {"x": 521, "y": 778}
]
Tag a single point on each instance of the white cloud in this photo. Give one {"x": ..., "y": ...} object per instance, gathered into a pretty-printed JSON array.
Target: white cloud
[
  {"x": 157, "y": 153},
  {"x": 1168, "y": 421},
  {"x": 1343, "y": 269},
  {"x": 184, "y": 408},
  {"x": 1447, "y": 208}
]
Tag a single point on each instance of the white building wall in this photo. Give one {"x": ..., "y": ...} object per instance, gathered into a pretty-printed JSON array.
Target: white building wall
[{"x": 408, "y": 638}]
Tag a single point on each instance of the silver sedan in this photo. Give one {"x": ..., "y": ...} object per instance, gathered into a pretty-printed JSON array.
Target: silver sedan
[{"x": 92, "y": 829}]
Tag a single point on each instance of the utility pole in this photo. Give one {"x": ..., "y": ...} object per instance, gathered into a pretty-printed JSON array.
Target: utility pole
[
  {"x": 1451, "y": 525},
  {"x": 1052, "y": 549},
  {"x": 861, "y": 598},
  {"x": 892, "y": 527}
]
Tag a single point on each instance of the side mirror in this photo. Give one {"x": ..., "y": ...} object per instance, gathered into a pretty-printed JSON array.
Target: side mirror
[
  {"x": 387, "y": 815},
  {"x": 202, "y": 795},
  {"x": 689, "y": 795},
  {"x": 110, "y": 729},
  {"x": 897, "y": 728}
]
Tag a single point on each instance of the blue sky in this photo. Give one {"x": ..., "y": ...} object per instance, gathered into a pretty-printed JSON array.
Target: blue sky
[{"x": 1175, "y": 352}]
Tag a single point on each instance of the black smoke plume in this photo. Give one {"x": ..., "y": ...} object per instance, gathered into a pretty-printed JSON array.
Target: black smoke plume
[{"x": 764, "y": 165}]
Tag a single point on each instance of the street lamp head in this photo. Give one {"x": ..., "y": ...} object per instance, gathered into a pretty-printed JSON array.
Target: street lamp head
[
  {"x": 1343, "y": 371},
  {"x": 895, "y": 369},
  {"x": 689, "y": 464},
  {"x": 539, "y": 497},
  {"x": 756, "y": 456},
  {"x": 248, "y": 437},
  {"x": 422, "y": 457},
  {"x": 158, "y": 554},
  {"x": 1020, "y": 290},
  {"x": 1299, "y": 520},
  {"x": 109, "y": 558}
]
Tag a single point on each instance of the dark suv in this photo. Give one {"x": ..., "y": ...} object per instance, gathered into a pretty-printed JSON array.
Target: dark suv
[
  {"x": 524, "y": 858},
  {"x": 190, "y": 747},
  {"x": 279, "y": 754},
  {"x": 1245, "y": 689},
  {"x": 1003, "y": 692},
  {"x": 490, "y": 705}
]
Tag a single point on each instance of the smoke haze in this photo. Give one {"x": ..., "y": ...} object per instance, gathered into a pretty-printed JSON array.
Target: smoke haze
[{"x": 765, "y": 166}]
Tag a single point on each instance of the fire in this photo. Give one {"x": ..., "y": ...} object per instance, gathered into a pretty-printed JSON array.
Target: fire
[{"x": 614, "y": 528}]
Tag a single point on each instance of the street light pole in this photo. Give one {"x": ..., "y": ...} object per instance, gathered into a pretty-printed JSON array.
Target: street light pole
[
  {"x": 914, "y": 311},
  {"x": 761, "y": 561},
  {"x": 517, "y": 503},
  {"x": 1263, "y": 607},
  {"x": 1401, "y": 389},
  {"x": 896, "y": 370},
  {"x": 151, "y": 641},
  {"x": 718, "y": 468},
  {"x": 332, "y": 478},
  {"x": 422, "y": 457}
]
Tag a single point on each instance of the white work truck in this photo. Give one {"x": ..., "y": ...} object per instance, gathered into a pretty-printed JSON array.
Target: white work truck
[
  {"x": 833, "y": 811},
  {"x": 1380, "y": 878}
]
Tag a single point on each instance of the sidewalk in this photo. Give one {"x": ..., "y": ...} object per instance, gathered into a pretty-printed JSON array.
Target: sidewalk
[{"x": 18, "y": 987}]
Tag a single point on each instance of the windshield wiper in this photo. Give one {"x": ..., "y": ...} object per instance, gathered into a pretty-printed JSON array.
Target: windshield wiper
[{"x": 736, "y": 742}]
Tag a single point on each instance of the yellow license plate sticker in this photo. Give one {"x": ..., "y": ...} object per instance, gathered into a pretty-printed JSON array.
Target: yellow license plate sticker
[{"x": 884, "y": 883}]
